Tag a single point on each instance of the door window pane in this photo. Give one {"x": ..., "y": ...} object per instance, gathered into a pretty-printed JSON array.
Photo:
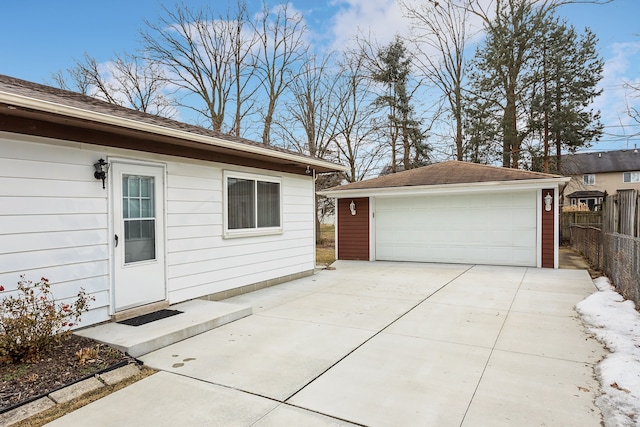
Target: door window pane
[{"x": 138, "y": 210}]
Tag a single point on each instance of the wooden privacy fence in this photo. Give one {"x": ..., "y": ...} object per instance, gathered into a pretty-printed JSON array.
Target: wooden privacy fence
[
  {"x": 621, "y": 213},
  {"x": 615, "y": 249}
]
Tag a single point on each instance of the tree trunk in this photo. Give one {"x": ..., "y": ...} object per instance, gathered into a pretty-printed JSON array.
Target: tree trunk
[{"x": 268, "y": 119}]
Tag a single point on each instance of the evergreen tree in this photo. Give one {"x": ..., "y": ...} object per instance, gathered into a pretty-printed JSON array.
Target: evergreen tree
[
  {"x": 569, "y": 70},
  {"x": 533, "y": 81},
  {"x": 393, "y": 70},
  {"x": 498, "y": 77}
]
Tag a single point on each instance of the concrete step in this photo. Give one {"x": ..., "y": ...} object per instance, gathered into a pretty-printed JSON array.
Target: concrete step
[{"x": 198, "y": 316}]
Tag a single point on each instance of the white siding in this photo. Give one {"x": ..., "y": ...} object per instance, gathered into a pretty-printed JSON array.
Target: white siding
[
  {"x": 54, "y": 223},
  {"x": 200, "y": 261},
  {"x": 53, "y": 220}
]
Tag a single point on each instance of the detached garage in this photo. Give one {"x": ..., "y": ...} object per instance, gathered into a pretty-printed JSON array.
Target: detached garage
[{"x": 451, "y": 212}]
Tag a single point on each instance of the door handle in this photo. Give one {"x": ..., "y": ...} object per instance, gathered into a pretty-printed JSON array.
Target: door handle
[{"x": 116, "y": 240}]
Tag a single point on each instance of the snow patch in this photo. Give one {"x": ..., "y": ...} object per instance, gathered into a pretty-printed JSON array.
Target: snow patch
[{"x": 616, "y": 323}]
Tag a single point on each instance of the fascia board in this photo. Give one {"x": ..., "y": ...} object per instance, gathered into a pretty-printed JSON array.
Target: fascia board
[
  {"x": 79, "y": 113},
  {"x": 476, "y": 187}
]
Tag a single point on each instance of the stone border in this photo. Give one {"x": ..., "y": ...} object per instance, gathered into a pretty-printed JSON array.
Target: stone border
[{"x": 69, "y": 393}]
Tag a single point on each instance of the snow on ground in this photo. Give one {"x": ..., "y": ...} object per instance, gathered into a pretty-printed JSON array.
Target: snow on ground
[{"x": 616, "y": 324}]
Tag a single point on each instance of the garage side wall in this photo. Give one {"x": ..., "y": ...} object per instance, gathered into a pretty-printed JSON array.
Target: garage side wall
[
  {"x": 548, "y": 234},
  {"x": 353, "y": 230}
]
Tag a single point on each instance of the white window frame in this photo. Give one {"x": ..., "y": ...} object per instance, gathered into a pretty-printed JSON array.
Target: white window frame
[
  {"x": 589, "y": 179},
  {"x": 255, "y": 231},
  {"x": 634, "y": 177}
]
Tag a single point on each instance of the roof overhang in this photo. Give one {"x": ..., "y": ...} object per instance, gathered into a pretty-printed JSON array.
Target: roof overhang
[
  {"x": 32, "y": 116},
  {"x": 473, "y": 187}
]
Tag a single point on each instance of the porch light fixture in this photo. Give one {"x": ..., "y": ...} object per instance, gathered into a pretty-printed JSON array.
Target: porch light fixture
[
  {"x": 548, "y": 199},
  {"x": 102, "y": 168},
  {"x": 352, "y": 207}
]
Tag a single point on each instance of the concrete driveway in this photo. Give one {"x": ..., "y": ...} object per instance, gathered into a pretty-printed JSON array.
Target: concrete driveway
[{"x": 380, "y": 344}]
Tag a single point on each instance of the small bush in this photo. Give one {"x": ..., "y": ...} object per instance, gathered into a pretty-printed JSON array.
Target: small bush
[{"x": 31, "y": 321}]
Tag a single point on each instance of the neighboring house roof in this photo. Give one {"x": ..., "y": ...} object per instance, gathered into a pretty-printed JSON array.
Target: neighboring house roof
[
  {"x": 47, "y": 111},
  {"x": 585, "y": 194},
  {"x": 601, "y": 162},
  {"x": 451, "y": 173}
]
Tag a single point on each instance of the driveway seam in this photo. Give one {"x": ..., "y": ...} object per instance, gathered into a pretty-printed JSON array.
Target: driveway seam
[
  {"x": 493, "y": 348},
  {"x": 378, "y": 333}
]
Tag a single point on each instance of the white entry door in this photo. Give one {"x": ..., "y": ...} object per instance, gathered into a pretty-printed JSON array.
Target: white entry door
[{"x": 138, "y": 241}]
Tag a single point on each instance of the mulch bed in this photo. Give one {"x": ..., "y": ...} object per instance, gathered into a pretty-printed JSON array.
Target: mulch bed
[{"x": 61, "y": 366}]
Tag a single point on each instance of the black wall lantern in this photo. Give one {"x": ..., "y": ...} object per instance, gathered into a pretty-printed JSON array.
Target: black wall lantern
[{"x": 102, "y": 168}]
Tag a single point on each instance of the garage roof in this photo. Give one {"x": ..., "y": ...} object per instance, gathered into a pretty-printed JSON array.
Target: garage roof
[
  {"x": 34, "y": 109},
  {"x": 447, "y": 174}
]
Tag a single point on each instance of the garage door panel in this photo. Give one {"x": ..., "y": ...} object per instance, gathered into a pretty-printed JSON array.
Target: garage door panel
[
  {"x": 521, "y": 200},
  {"x": 495, "y": 228},
  {"x": 524, "y": 238},
  {"x": 436, "y": 202},
  {"x": 523, "y": 218},
  {"x": 476, "y": 201},
  {"x": 522, "y": 256},
  {"x": 499, "y": 200}
]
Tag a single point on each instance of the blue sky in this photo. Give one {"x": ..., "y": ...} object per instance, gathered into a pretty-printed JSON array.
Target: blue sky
[{"x": 40, "y": 37}]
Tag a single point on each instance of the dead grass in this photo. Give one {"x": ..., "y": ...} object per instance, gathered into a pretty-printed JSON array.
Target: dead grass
[
  {"x": 325, "y": 250},
  {"x": 64, "y": 408}
]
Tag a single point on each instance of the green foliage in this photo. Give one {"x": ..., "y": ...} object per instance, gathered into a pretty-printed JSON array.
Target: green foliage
[
  {"x": 32, "y": 320},
  {"x": 531, "y": 85},
  {"x": 565, "y": 84},
  {"x": 393, "y": 70}
]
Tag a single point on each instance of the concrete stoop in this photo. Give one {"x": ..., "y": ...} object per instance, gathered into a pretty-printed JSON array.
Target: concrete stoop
[{"x": 197, "y": 316}]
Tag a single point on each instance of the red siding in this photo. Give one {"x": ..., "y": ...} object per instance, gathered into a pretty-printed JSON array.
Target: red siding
[
  {"x": 548, "y": 220},
  {"x": 353, "y": 230}
]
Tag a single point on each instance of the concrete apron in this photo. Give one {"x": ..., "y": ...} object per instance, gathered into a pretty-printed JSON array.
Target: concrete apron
[{"x": 380, "y": 344}]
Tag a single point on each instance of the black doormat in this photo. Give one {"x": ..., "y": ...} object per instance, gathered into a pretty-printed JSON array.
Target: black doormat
[{"x": 150, "y": 317}]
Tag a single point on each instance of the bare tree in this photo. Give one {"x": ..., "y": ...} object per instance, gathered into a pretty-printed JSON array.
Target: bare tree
[
  {"x": 439, "y": 34},
  {"x": 311, "y": 109},
  {"x": 142, "y": 84},
  {"x": 282, "y": 47},
  {"x": 308, "y": 123},
  {"x": 72, "y": 79},
  {"x": 128, "y": 80},
  {"x": 357, "y": 139},
  {"x": 243, "y": 41},
  {"x": 203, "y": 53}
]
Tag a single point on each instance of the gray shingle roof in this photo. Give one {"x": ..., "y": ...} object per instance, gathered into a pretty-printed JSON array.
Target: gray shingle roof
[
  {"x": 600, "y": 162},
  {"x": 451, "y": 172},
  {"x": 73, "y": 99}
]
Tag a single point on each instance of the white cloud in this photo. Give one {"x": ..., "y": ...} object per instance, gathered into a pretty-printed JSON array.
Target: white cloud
[{"x": 382, "y": 19}]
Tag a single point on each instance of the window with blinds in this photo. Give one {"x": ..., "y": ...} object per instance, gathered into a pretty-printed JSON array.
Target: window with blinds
[{"x": 253, "y": 204}]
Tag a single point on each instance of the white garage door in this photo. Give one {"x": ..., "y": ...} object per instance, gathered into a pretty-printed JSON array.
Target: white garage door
[{"x": 490, "y": 228}]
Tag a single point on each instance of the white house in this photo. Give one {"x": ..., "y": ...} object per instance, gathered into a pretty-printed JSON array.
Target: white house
[{"x": 182, "y": 213}]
